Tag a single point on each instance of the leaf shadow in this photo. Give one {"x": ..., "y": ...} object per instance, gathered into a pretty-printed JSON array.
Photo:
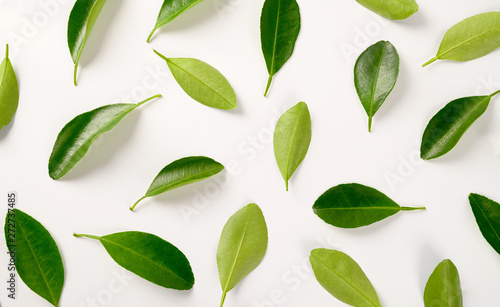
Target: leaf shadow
[
  {"x": 5, "y": 129},
  {"x": 104, "y": 148},
  {"x": 99, "y": 32},
  {"x": 428, "y": 261},
  {"x": 416, "y": 20}
]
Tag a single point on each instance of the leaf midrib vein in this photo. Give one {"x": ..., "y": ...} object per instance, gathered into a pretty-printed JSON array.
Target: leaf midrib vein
[
  {"x": 183, "y": 180},
  {"x": 376, "y": 81},
  {"x": 275, "y": 38},
  {"x": 467, "y": 40},
  {"x": 292, "y": 142},
  {"x": 487, "y": 220}
]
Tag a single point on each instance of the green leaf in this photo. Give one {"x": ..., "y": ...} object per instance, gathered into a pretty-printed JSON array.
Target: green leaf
[
  {"x": 375, "y": 74},
  {"x": 470, "y": 39},
  {"x": 170, "y": 9},
  {"x": 75, "y": 138},
  {"x": 242, "y": 247},
  {"x": 202, "y": 82},
  {"x": 291, "y": 139},
  {"x": 279, "y": 29},
  {"x": 487, "y": 213},
  {"x": 354, "y": 205},
  {"x": 81, "y": 21},
  {"x": 180, "y": 173},
  {"x": 9, "y": 91},
  {"x": 343, "y": 278},
  {"x": 150, "y": 257},
  {"x": 391, "y": 9},
  {"x": 447, "y": 127},
  {"x": 443, "y": 287},
  {"x": 37, "y": 257}
]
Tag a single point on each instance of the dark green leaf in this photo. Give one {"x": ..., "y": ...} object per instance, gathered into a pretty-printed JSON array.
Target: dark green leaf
[
  {"x": 487, "y": 213},
  {"x": 375, "y": 74},
  {"x": 470, "y": 39},
  {"x": 242, "y": 246},
  {"x": 355, "y": 205},
  {"x": 202, "y": 82},
  {"x": 170, "y": 10},
  {"x": 81, "y": 21},
  {"x": 75, "y": 138},
  {"x": 37, "y": 257},
  {"x": 150, "y": 257},
  {"x": 443, "y": 287},
  {"x": 180, "y": 173},
  {"x": 447, "y": 127},
  {"x": 279, "y": 29},
  {"x": 9, "y": 91},
  {"x": 291, "y": 139},
  {"x": 343, "y": 278},
  {"x": 391, "y": 9}
]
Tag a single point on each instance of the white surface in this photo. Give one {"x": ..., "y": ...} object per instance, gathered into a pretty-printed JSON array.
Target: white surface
[{"x": 397, "y": 254}]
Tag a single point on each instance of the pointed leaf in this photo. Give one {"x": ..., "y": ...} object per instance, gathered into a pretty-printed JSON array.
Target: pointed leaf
[
  {"x": 81, "y": 21},
  {"x": 9, "y": 91},
  {"x": 180, "y": 173},
  {"x": 375, "y": 74},
  {"x": 37, "y": 257},
  {"x": 470, "y": 39},
  {"x": 150, "y": 257},
  {"x": 75, "y": 138},
  {"x": 170, "y": 9},
  {"x": 391, "y": 9},
  {"x": 487, "y": 214},
  {"x": 343, "y": 278},
  {"x": 279, "y": 29},
  {"x": 202, "y": 82},
  {"x": 443, "y": 287},
  {"x": 447, "y": 127},
  {"x": 242, "y": 246},
  {"x": 291, "y": 139},
  {"x": 355, "y": 205}
]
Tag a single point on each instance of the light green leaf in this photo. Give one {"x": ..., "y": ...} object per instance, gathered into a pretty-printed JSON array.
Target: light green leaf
[
  {"x": 443, "y": 287},
  {"x": 391, "y": 9},
  {"x": 9, "y": 91},
  {"x": 291, "y": 139}
]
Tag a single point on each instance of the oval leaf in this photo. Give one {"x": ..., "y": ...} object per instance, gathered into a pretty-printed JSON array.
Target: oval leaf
[
  {"x": 447, "y": 127},
  {"x": 343, "y": 278},
  {"x": 170, "y": 9},
  {"x": 180, "y": 173},
  {"x": 487, "y": 213},
  {"x": 149, "y": 257},
  {"x": 202, "y": 82},
  {"x": 291, "y": 139},
  {"x": 470, "y": 39},
  {"x": 37, "y": 256},
  {"x": 81, "y": 21},
  {"x": 355, "y": 205},
  {"x": 279, "y": 29},
  {"x": 242, "y": 246},
  {"x": 75, "y": 138},
  {"x": 391, "y": 9},
  {"x": 375, "y": 74},
  {"x": 443, "y": 287},
  {"x": 9, "y": 91}
]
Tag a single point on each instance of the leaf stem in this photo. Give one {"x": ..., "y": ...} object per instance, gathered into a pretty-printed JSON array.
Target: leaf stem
[
  {"x": 74, "y": 74},
  {"x": 7, "y": 51},
  {"x": 412, "y": 208},
  {"x": 148, "y": 99},
  {"x": 135, "y": 204},
  {"x": 430, "y": 61},
  {"x": 495, "y": 93},
  {"x": 223, "y": 298},
  {"x": 151, "y": 35},
  {"x": 286, "y": 185},
  {"x": 160, "y": 55},
  {"x": 269, "y": 81},
  {"x": 86, "y": 236},
  {"x": 370, "y": 120}
]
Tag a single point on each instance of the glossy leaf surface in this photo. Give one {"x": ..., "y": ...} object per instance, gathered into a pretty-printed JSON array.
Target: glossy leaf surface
[
  {"x": 75, "y": 138},
  {"x": 375, "y": 74},
  {"x": 354, "y": 205},
  {"x": 292, "y": 137},
  {"x": 150, "y": 257},
  {"x": 279, "y": 29},
  {"x": 487, "y": 214},
  {"x": 242, "y": 246},
  {"x": 37, "y": 258},
  {"x": 343, "y": 278}
]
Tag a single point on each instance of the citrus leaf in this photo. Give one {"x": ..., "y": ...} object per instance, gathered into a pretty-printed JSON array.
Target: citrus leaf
[
  {"x": 443, "y": 287},
  {"x": 9, "y": 91}
]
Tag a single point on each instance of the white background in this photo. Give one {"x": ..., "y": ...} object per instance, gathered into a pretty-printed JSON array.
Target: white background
[{"x": 397, "y": 254}]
